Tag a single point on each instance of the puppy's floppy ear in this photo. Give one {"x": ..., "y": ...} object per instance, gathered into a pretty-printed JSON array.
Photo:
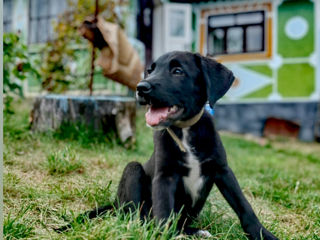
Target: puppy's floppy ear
[{"x": 217, "y": 77}]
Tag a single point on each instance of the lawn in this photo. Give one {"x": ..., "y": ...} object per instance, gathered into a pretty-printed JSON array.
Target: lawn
[{"x": 50, "y": 178}]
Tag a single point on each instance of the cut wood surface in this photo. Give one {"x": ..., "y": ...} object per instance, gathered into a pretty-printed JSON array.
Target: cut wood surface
[{"x": 103, "y": 113}]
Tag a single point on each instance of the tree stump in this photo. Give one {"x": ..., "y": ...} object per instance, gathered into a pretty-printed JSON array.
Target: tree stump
[{"x": 100, "y": 112}]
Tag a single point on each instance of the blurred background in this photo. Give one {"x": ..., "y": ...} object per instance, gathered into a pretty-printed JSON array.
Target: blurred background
[{"x": 273, "y": 48}]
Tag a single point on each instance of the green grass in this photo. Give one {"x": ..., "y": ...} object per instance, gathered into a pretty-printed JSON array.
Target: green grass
[
  {"x": 18, "y": 227},
  {"x": 84, "y": 135},
  {"x": 63, "y": 162},
  {"x": 280, "y": 179}
]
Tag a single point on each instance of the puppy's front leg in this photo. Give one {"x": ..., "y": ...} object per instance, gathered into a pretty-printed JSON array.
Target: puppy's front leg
[
  {"x": 163, "y": 196},
  {"x": 230, "y": 189}
]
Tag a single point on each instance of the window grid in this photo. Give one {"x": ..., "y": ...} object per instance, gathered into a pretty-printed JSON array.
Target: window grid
[
  {"x": 41, "y": 15},
  {"x": 229, "y": 26},
  {"x": 7, "y": 15}
]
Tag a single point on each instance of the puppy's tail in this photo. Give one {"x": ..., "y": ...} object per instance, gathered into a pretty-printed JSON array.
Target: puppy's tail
[{"x": 87, "y": 215}]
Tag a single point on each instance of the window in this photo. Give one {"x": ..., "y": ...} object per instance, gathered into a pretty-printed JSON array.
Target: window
[
  {"x": 177, "y": 25},
  {"x": 41, "y": 15},
  {"x": 7, "y": 15},
  {"x": 236, "y": 33}
]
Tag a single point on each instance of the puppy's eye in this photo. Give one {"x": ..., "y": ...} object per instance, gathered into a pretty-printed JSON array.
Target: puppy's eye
[
  {"x": 151, "y": 68},
  {"x": 177, "y": 71}
]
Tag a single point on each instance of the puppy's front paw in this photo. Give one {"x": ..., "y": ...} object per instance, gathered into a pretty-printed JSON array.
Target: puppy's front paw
[
  {"x": 268, "y": 235},
  {"x": 203, "y": 233},
  {"x": 258, "y": 232},
  {"x": 197, "y": 232}
]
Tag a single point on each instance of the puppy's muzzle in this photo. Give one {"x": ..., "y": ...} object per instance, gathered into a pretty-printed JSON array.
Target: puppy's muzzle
[{"x": 143, "y": 89}]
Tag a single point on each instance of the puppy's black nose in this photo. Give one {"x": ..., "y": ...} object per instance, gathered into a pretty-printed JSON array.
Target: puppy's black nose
[{"x": 144, "y": 87}]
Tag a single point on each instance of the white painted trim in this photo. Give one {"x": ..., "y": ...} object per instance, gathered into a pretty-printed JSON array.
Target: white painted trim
[
  {"x": 202, "y": 6},
  {"x": 275, "y": 94},
  {"x": 269, "y": 62},
  {"x": 197, "y": 26},
  {"x": 20, "y": 18},
  {"x": 205, "y": 37},
  {"x": 263, "y": 100},
  {"x": 296, "y": 60},
  {"x": 246, "y": 62},
  {"x": 157, "y": 32},
  {"x": 26, "y": 82},
  {"x": 316, "y": 93},
  {"x": 20, "y": 23}
]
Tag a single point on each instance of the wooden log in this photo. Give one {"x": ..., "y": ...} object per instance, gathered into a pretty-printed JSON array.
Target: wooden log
[{"x": 100, "y": 112}]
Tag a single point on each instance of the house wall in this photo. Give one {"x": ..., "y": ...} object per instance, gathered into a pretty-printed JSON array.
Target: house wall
[
  {"x": 251, "y": 117},
  {"x": 288, "y": 69},
  {"x": 280, "y": 81}
]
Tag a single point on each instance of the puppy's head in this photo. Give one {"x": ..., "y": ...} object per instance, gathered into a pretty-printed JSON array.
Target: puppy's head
[{"x": 178, "y": 84}]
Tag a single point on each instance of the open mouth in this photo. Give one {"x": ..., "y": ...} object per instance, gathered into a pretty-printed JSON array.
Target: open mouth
[{"x": 156, "y": 116}]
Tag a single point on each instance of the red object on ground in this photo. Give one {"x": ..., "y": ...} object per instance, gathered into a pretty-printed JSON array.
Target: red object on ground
[{"x": 281, "y": 127}]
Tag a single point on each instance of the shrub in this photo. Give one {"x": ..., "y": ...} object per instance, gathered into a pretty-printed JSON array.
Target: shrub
[{"x": 16, "y": 67}]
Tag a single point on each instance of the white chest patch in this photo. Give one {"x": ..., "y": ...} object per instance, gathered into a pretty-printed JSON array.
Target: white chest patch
[{"x": 193, "y": 182}]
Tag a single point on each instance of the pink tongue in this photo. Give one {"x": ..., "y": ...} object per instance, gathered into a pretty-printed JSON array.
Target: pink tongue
[{"x": 155, "y": 115}]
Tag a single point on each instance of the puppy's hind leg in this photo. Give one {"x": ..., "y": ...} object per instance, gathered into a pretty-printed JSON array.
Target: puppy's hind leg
[
  {"x": 87, "y": 215},
  {"x": 135, "y": 189},
  {"x": 133, "y": 192}
]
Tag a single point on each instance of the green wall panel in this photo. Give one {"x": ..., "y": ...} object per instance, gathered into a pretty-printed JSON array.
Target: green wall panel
[
  {"x": 296, "y": 80},
  {"x": 261, "y": 93},
  {"x": 262, "y": 69},
  {"x": 304, "y": 46}
]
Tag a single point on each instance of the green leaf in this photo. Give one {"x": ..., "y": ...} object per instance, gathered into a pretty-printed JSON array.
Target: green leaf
[{"x": 15, "y": 51}]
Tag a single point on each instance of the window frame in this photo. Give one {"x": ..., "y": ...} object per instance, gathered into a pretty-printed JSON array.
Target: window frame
[
  {"x": 7, "y": 17},
  {"x": 244, "y": 27},
  {"x": 48, "y": 17}
]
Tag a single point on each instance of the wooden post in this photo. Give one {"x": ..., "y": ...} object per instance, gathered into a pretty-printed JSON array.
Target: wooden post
[{"x": 93, "y": 53}]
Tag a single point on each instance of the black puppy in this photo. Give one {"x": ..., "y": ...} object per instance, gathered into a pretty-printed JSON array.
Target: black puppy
[{"x": 188, "y": 155}]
